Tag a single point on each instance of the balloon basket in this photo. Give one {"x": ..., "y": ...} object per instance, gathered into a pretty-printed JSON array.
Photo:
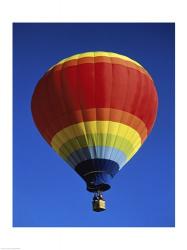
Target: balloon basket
[{"x": 98, "y": 203}]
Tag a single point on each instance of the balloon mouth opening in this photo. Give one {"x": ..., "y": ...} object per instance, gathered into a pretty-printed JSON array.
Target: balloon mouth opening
[
  {"x": 101, "y": 187},
  {"x": 97, "y": 173}
]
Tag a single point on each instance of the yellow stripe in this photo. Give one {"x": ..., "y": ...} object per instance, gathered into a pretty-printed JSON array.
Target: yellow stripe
[
  {"x": 90, "y": 130},
  {"x": 95, "y": 54}
]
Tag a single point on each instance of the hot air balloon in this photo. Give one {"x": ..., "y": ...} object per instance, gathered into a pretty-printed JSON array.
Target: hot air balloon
[{"x": 95, "y": 110}]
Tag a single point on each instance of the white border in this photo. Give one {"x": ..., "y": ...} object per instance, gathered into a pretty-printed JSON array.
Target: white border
[{"x": 84, "y": 238}]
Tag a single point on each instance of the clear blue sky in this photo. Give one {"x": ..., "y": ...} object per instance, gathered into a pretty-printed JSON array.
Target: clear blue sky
[{"x": 46, "y": 192}]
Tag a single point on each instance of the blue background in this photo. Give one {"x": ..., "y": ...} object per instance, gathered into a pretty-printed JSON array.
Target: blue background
[{"x": 46, "y": 192}]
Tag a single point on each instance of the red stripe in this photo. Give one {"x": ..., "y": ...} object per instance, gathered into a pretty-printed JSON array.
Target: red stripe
[
  {"x": 85, "y": 86},
  {"x": 100, "y": 59}
]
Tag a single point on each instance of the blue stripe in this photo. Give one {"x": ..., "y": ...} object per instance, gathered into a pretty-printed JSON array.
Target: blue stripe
[
  {"x": 87, "y": 153},
  {"x": 97, "y": 173}
]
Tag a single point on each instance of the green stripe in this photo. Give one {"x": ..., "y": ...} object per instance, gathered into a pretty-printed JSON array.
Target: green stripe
[{"x": 108, "y": 140}]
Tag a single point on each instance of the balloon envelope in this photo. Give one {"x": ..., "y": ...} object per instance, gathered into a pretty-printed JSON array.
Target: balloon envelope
[{"x": 95, "y": 109}]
